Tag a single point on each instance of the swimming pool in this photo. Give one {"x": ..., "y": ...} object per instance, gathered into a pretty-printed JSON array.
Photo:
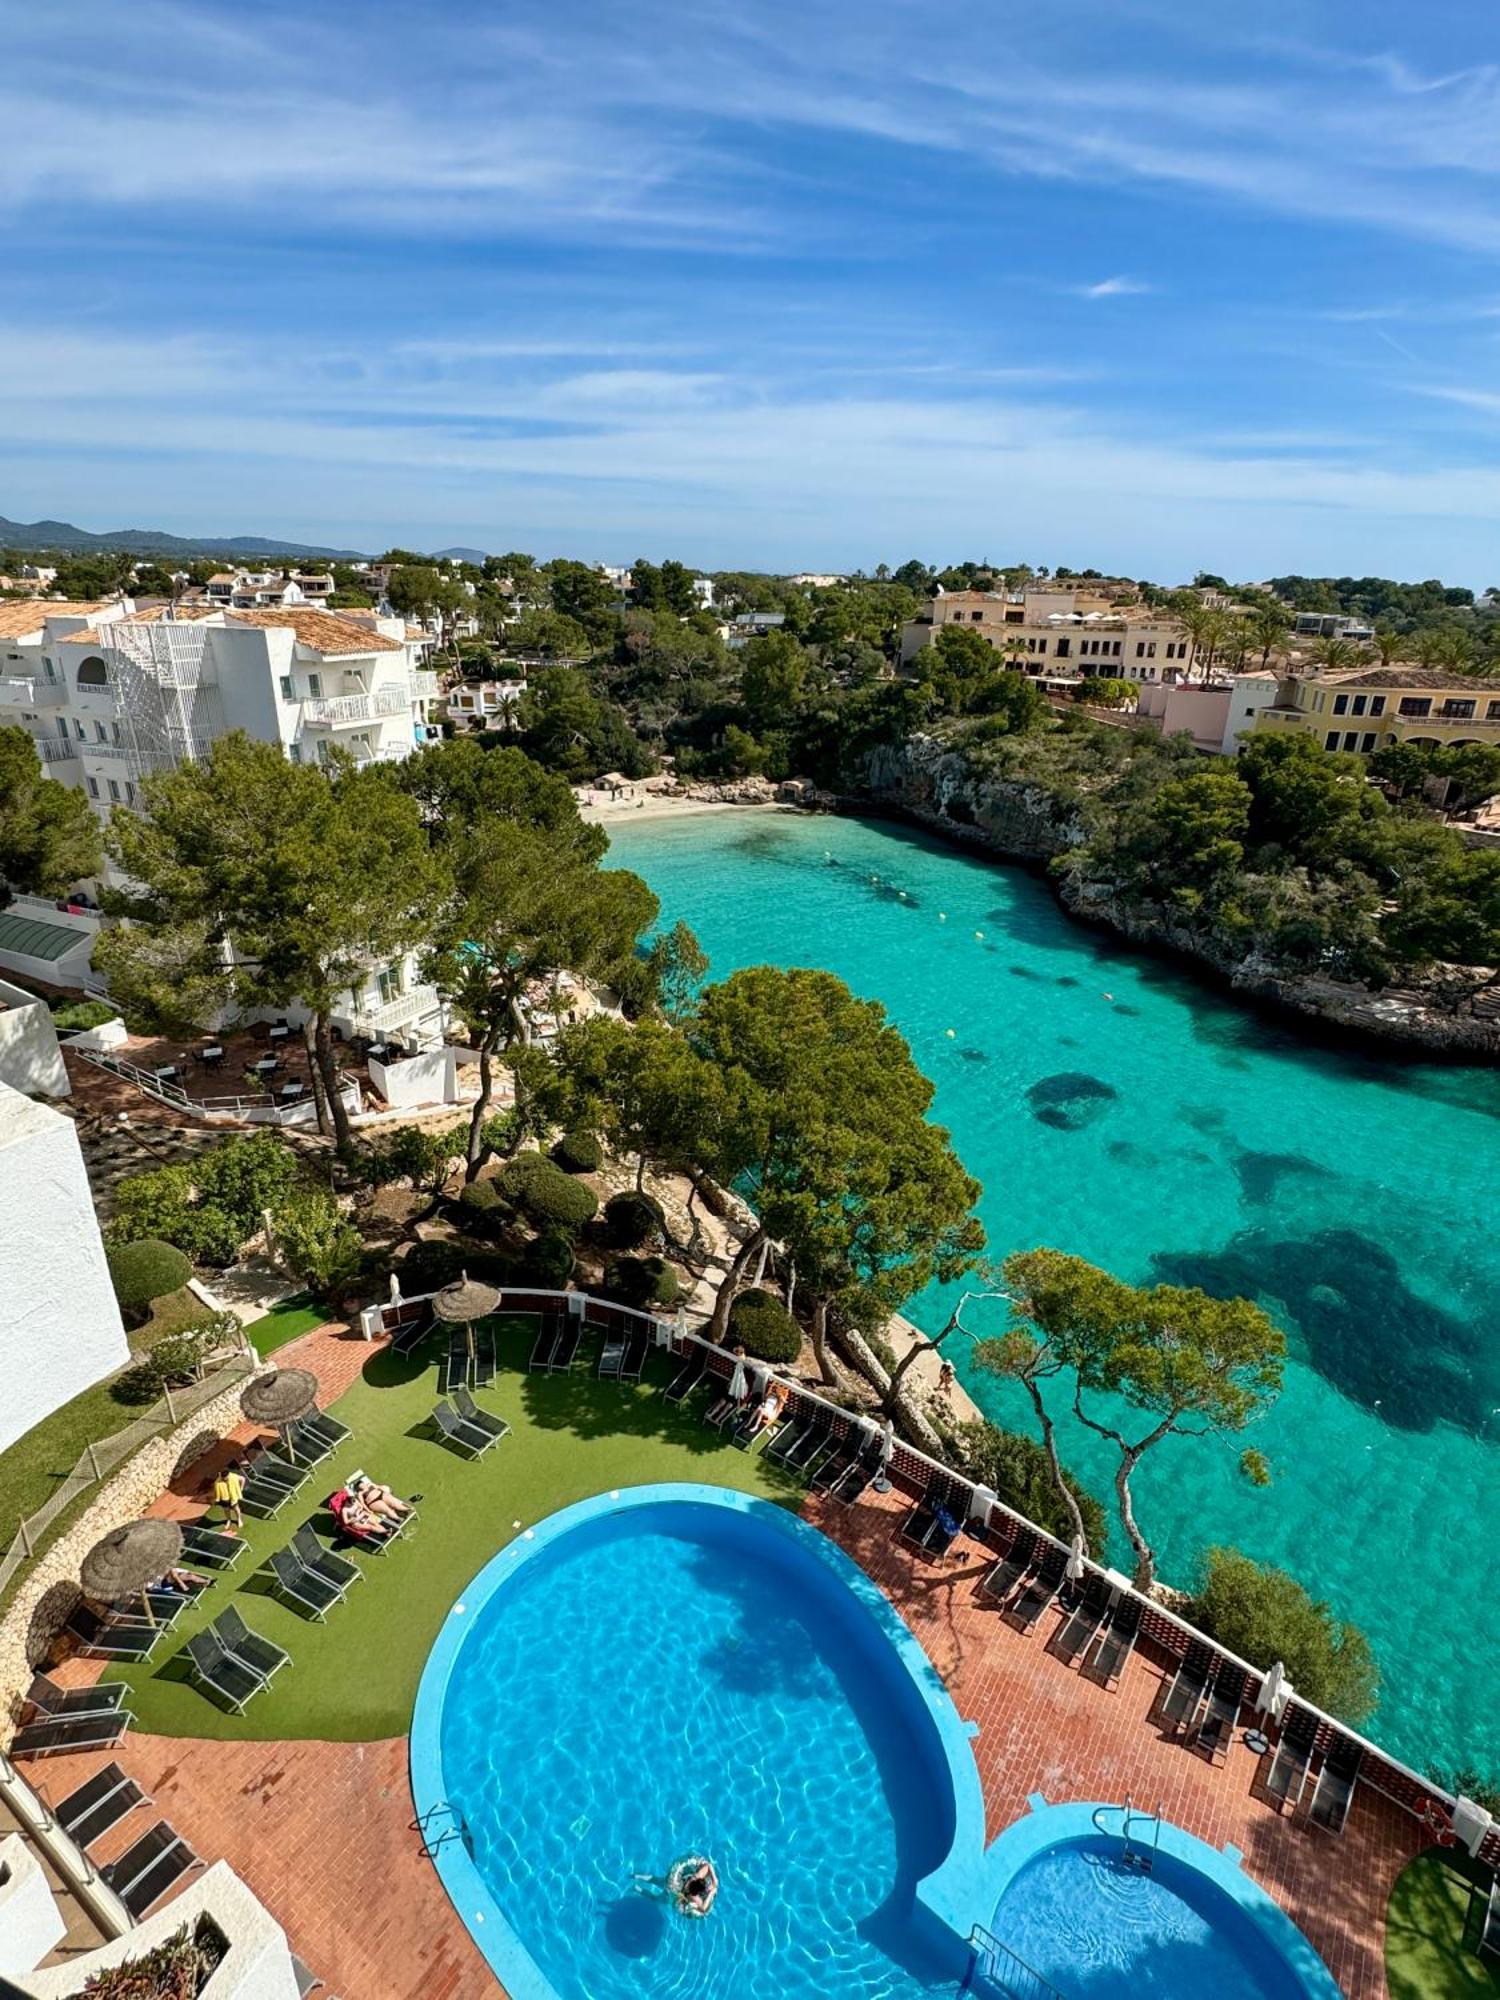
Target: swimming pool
[
  {"x": 679, "y": 1670},
  {"x": 1157, "y": 1916}
]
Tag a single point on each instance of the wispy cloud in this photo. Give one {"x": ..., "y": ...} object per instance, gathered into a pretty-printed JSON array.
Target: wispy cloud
[{"x": 1115, "y": 288}]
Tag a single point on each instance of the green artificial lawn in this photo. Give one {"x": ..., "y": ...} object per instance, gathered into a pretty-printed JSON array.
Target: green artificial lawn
[
  {"x": 354, "y": 1678},
  {"x": 288, "y": 1321},
  {"x": 1425, "y": 1954}
]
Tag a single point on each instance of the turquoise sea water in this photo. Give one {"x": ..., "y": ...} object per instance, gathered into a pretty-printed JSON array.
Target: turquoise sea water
[{"x": 1115, "y": 1108}]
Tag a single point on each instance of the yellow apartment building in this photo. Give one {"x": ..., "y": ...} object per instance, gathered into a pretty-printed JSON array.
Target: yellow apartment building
[
  {"x": 1059, "y": 633},
  {"x": 1366, "y": 708}
]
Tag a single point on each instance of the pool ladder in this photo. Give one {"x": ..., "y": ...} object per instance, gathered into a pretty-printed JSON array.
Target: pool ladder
[
  {"x": 1136, "y": 1855},
  {"x": 457, "y": 1829},
  {"x": 994, "y": 1969}
]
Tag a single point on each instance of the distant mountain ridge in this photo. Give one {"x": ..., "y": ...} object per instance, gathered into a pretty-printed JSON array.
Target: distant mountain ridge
[{"x": 63, "y": 538}]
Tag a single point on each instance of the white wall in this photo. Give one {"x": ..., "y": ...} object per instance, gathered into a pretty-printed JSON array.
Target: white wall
[
  {"x": 1251, "y": 693},
  {"x": 30, "y": 1922},
  {"x": 60, "y": 1329},
  {"x": 29, "y": 1057}
]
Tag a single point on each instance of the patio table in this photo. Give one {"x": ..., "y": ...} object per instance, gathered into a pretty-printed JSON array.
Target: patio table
[
  {"x": 280, "y": 1032},
  {"x": 165, "y": 1073},
  {"x": 266, "y": 1064}
]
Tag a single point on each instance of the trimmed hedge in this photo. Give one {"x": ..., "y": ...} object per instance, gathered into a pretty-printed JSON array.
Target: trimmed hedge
[
  {"x": 547, "y": 1263},
  {"x": 761, "y": 1324},
  {"x": 482, "y": 1208},
  {"x": 641, "y": 1281},
  {"x": 578, "y": 1153},
  {"x": 145, "y": 1271},
  {"x": 631, "y": 1220},
  {"x": 545, "y": 1194}
]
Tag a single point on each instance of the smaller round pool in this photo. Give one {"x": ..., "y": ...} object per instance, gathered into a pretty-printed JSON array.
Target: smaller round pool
[{"x": 1160, "y": 1918}]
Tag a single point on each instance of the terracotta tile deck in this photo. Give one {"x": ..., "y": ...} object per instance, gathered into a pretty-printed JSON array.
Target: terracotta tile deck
[{"x": 323, "y": 1831}]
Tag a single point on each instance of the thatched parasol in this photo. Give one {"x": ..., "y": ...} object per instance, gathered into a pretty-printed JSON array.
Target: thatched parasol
[
  {"x": 129, "y": 1560},
  {"x": 465, "y": 1300},
  {"x": 280, "y": 1397}
]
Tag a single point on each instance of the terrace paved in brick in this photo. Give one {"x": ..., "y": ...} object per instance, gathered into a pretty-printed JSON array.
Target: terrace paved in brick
[
  {"x": 323, "y": 1831},
  {"x": 1043, "y": 1728}
]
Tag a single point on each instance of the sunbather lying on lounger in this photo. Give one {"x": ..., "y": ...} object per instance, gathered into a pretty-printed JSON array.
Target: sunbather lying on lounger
[
  {"x": 379, "y": 1499},
  {"x": 768, "y": 1411},
  {"x": 183, "y": 1581},
  {"x": 355, "y": 1518}
]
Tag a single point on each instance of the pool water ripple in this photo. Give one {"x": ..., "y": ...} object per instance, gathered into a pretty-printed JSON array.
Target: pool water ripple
[{"x": 1114, "y": 1108}]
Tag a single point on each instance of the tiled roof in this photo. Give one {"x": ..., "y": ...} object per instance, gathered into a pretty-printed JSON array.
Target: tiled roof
[
  {"x": 16, "y": 620},
  {"x": 324, "y": 631},
  {"x": 151, "y": 614},
  {"x": 1409, "y": 677}
]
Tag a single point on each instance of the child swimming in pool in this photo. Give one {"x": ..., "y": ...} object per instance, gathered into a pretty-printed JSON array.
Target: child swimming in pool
[{"x": 692, "y": 1883}]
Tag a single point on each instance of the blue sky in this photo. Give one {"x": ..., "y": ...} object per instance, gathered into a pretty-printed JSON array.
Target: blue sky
[{"x": 1150, "y": 287}]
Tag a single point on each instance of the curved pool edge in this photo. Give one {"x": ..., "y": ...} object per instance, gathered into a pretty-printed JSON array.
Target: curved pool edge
[
  {"x": 946, "y": 1899},
  {"x": 1045, "y": 1827}
]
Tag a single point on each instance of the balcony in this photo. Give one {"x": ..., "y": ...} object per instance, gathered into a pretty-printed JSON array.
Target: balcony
[
  {"x": 337, "y": 711},
  {"x": 20, "y": 691},
  {"x": 56, "y": 749},
  {"x": 392, "y": 699},
  {"x": 397, "y": 1013}
]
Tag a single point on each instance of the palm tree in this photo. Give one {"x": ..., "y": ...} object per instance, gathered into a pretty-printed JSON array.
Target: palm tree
[
  {"x": 1388, "y": 644},
  {"x": 1268, "y": 626},
  {"x": 1335, "y": 654}
]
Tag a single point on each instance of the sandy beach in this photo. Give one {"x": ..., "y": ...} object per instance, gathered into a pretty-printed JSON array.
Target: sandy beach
[{"x": 600, "y": 810}]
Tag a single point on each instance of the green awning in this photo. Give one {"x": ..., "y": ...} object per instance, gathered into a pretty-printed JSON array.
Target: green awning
[{"x": 38, "y": 939}]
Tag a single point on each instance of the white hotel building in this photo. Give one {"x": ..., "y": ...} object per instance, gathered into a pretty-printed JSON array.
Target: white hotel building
[{"x": 110, "y": 694}]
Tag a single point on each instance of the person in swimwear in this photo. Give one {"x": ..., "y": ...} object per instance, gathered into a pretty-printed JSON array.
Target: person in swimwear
[{"x": 696, "y": 1888}]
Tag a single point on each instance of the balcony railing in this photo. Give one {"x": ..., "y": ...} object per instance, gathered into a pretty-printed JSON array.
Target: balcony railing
[
  {"x": 398, "y": 1012},
  {"x": 392, "y": 699},
  {"x": 56, "y": 749},
  {"x": 20, "y": 691},
  {"x": 337, "y": 711}
]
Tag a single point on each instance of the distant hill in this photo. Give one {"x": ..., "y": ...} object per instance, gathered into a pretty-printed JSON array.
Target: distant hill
[
  {"x": 475, "y": 556},
  {"x": 63, "y": 537}
]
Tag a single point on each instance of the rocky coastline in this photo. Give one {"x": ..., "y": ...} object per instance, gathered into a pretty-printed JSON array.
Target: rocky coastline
[{"x": 1452, "y": 1013}]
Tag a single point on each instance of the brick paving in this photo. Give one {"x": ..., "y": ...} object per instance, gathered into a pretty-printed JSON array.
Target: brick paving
[{"x": 324, "y": 1835}]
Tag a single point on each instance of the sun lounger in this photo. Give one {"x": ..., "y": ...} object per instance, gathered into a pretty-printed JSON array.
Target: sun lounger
[
  {"x": 1000, "y": 1581},
  {"x": 305, "y": 1445},
  {"x": 1489, "y": 1924},
  {"x": 1037, "y": 1592},
  {"x": 454, "y": 1366},
  {"x": 211, "y": 1663},
  {"x": 565, "y": 1347},
  {"x": 98, "y": 1804},
  {"x": 854, "y": 1481},
  {"x": 1331, "y": 1801},
  {"x": 836, "y": 1463},
  {"x": 48, "y": 1699},
  {"x": 313, "y": 1592},
  {"x": 467, "y": 1438},
  {"x": 412, "y": 1333},
  {"x": 812, "y": 1445},
  {"x": 53, "y": 1734},
  {"x": 637, "y": 1347},
  {"x": 307, "y": 1980},
  {"x": 612, "y": 1353},
  {"x": 726, "y": 1409},
  {"x": 264, "y": 1496},
  {"x": 1214, "y": 1730},
  {"x": 484, "y": 1356},
  {"x": 480, "y": 1419},
  {"x": 280, "y": 1470},
  {"x": 310, "y": 1552},
  {"x": 936, "y": 1522},
  {"x": 1105, "y": 1660},
  {"x": 1185, "y": 1692},
  {"x": 1078, "y": 1630},
  {"x": 206, "y": 1548},
  {"x": 118, "y": 1637},
  {"x": 1287, "y": 1777},
  {"x": 261, "y": 1655},
  {"x": 545, "y": 1345},
  {"x": 144, "y": 1873},
  {"x": 688, "y": 1376}
]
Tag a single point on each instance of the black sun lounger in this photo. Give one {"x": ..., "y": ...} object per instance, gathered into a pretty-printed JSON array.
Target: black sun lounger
[
  {"x": 484, "y": 1355},
  {"x": 467, "y": 1438},
  {"x": 206, "y": 1548},
  {"x": 412, "y": 1332},
  {"x": 48, "y": 1699},
  {"x": 811, "y": 1446},
  {"x": 1185, "y": 1692},
  {"x": 454, "y": 1366},
  {"x": 1287, "y": 1777},
  {"x": 565, "y": 1347},
  {"x": 53, "y": 1734},
  {"x": 252, "y": 1649},
  {"x": 1215, "y": 1728},
  {"x": 548, "y": 1333},
  {"x": 211, "y": 1663},
  {"x": 854, "y": 1481},
  {"x": 327, "y": 1563},
  {"x": 688, "y": 1376},
  {"x": 1077, "y": 1631},
  {"x": 118, "y": 1637},
  {"x": 305, "y": 1443},
  {"x": 1105, "y": 1660},
  {"x": 637, "y": 1347},
  {"x": 98, "y": 1804},
  {"x": 1002, "y": 1578},
  {"x": 309, "y": 1589},
  {"x": 838, "y": 1461},
  {"x": 482, "y": 1420},
  {"x": 1037, "y": 1592},
  {"x": 1331, "y": 1801},
  {"x": 144, "y": 1873},
  {"x": 925, "y": 1527}
]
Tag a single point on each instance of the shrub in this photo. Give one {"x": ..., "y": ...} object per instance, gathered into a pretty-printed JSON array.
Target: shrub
[
  {"x": 1263, "y": 1614},
  {"x": 761, "y": 1324},
  {"x": 210, "y": 1236},
  {"x": 481, "y": 1208},
  {"x": 152, "y": 1205},
  {"x": 631, "y": 1220},
  {"x": 71, "y": 1016},
  {"x": 424, "y": 1158},
  {"x": 244, "y": 1177},
  {"x": 1015, "y": 1467},
  {"x": 578, "y": 1153},
  {"x": 145, "y": 1271},
  {"x": 546, "y": 1262},
  {"x": 174, "y": 1359},
  {"x": 317, "y": 1241},
  {"x": 427, "y": 1267},
  {"x": 641, "y": 1281},
  {"x": 545, "y": 1194},
  {"x": 176, "y": 1969}
]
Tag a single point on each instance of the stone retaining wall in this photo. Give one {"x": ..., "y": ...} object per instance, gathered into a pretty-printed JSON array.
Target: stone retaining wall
[{"x": 28, "y": 1624}]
